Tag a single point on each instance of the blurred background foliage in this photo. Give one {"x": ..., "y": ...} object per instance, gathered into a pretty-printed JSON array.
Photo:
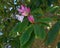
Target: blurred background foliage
[{"x": 44, "y": 33}]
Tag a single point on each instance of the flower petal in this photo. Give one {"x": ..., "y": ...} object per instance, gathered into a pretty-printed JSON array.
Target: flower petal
[
  {"x": 20, "y": 10},
  {"x": 28, "y": 10},
  {"x": 20, "y": 18},
  {"x": 22, "y": 7},
  {"x": 24, "y": 13}
]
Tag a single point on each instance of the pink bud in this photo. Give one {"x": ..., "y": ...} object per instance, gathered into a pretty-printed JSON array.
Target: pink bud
[{"x": 31, "y": 18}]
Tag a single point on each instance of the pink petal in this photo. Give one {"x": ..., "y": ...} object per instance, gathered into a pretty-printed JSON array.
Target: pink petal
[
  {"x": 22, "y": 7},
  {"x": 20, "y": 10},
  {"x": 28, "y": 10},
  {"x": 31, "y": 18},
  {"x": 25, "y": 8},
  {"x": 25, "y": 13}
]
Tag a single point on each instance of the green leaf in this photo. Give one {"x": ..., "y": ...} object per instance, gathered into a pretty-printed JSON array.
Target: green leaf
[
  {"x": 42, "y": 20},
  {"x": 39, "y": 32},
  {"x": 44, "y": 24},
  {"x": 38, "y": 12},
  {"x": 29, "y": 43},
  {"x": 26, "y": 35},
  {"x": 47, "y": 19},
  {"x": 52, "y": 34},
  {"x": 53, "y": 9}
]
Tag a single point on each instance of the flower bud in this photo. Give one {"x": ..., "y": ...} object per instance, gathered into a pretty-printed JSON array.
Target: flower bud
[{"x": 31, "y": 18}]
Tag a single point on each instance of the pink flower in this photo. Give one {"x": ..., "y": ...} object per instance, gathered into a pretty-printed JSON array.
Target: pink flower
[
  {"x": 31, "y": 18},
  {"x": 24, "y": 10}
]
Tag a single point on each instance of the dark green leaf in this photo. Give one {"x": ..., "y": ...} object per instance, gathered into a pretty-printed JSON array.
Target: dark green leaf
[
  {"x": 29, "y": 43},
  {"x": 39, "y": 32},
  {"x": 52, "y": 34},
  {"x": 47, "y": 19},
  {"x": 26, "y": 35}
]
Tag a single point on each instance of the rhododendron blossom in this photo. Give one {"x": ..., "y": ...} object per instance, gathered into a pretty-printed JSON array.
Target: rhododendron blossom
[{"x": 25, "y": 11}]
